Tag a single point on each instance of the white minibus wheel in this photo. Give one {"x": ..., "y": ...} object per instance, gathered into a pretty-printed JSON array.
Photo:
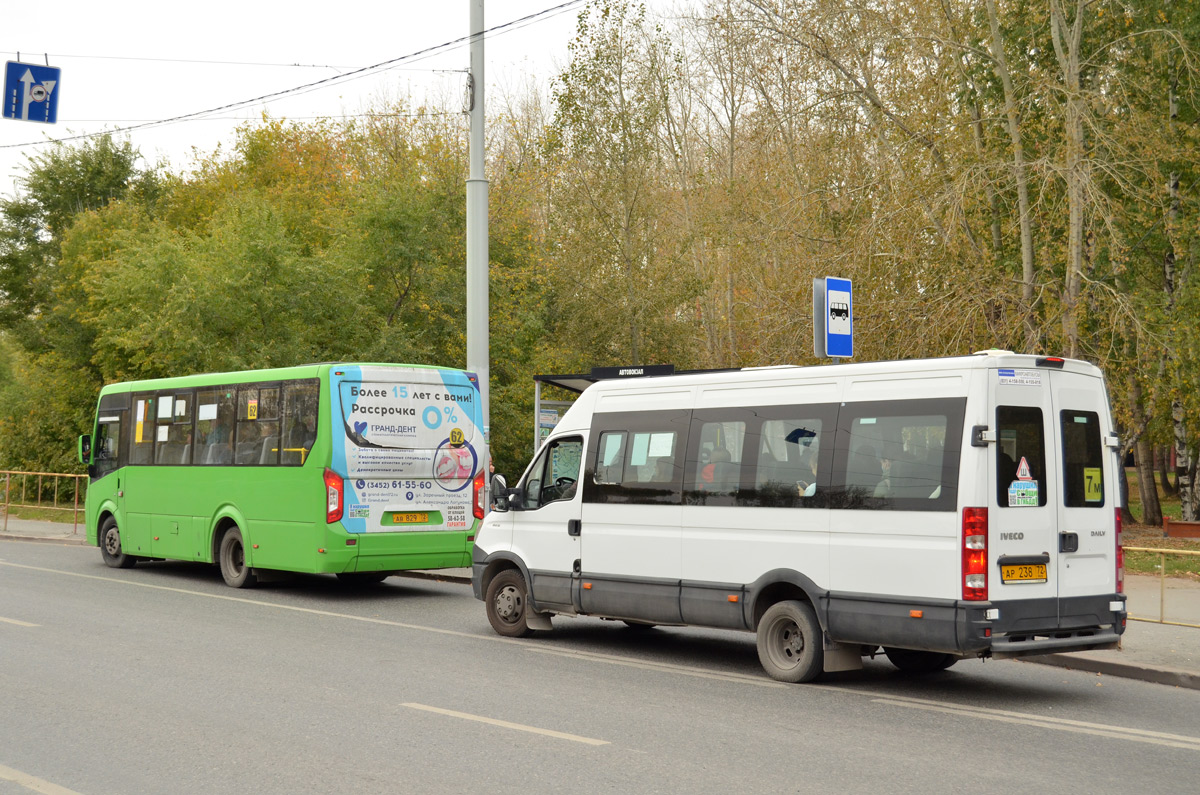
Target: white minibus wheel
[
  {"x": 790, "y": 646},
  {"x": 507, "y": 600}
]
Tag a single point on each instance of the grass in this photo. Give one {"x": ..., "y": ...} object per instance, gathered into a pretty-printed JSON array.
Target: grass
[
  {"x": 41, "y": 514},
  {"x": 1140, "y": 535}
]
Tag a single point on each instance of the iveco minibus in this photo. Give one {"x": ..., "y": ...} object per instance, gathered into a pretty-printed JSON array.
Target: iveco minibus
[{"x": 935, "y": 509}]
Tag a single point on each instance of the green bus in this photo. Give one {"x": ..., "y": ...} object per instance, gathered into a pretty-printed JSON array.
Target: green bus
[{"x": 360, "y": 470}]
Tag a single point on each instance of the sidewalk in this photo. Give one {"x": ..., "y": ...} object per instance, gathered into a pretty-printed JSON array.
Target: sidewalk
[
  {"x": 34, "y": 530},
  {"x": 1150, "y": 652}
]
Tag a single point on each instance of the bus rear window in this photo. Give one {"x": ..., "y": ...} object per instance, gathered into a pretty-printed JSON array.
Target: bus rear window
[
  {"x": 1083, "y": 460},
  {"x": 1020, "y": 457}
]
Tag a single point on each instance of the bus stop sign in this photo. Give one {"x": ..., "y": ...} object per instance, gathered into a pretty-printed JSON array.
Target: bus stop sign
[{"x": 833, "y": 318}]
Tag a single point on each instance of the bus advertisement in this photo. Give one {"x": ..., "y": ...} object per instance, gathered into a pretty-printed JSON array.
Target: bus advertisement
[{"x": 359, "y": 470}]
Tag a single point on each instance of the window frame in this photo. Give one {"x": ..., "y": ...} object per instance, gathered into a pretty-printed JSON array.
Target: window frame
[
  {"x": 1095, "y": 441},
  {"x": 1001, "y": 485},
  {"x": 952, "y": 408},
  {"x": 670, "y": 492}
]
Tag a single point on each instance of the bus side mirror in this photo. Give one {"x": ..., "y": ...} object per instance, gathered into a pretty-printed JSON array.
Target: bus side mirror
[
  {"x": 85, "y": 449},
  {"x": 499, "y": 493}
]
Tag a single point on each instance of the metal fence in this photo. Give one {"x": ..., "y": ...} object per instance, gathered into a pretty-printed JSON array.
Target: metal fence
[
  {"x": 1162, "y": 583},
  {"x": 47, "y": 491}
]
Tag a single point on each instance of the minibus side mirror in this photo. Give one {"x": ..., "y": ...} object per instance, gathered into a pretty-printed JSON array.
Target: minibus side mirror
[
  {"x": 84, "y": 449},
  {"x": 499, "y": 493}
]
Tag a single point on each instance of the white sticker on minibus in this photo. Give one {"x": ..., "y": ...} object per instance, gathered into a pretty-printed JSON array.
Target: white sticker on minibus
[{"x": 1020, "y": 377}]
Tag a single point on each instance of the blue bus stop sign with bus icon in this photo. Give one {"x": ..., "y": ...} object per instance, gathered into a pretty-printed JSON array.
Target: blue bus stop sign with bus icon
[
  {"x": 31, "y": 92},
  {"x": 839, "y": 318}
]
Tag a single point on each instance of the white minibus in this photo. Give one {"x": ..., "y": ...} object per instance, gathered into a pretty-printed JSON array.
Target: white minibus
[{"x": 938, "y": 509}]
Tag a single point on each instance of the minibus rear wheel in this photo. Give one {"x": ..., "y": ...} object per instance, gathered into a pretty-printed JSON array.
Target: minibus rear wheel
[
  {"x": 790, "y": 646},
  {"x": 507, "y": 600}
]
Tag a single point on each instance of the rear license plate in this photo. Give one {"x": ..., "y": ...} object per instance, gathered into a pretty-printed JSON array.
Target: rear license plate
[
  {"x": 409, "y": 518},
  {"x": 1035, "y": 572}
]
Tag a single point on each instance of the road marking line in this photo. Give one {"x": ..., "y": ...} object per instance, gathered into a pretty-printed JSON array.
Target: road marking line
[
  {"x": 633, "y": 662},
  {"x": 1050, "y": 719},
  {"x": 1077, "y": 727},
  {"x": 507, "y": 725},
  {"x": 522, "y": 644},
  {"x": 18, "y": 623},
  {"x": 1061, "y": 724},
  {"x": 33, "y": 782}
]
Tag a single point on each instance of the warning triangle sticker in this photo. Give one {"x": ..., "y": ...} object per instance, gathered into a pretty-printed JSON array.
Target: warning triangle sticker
[{"x": 1023, "y": 470}]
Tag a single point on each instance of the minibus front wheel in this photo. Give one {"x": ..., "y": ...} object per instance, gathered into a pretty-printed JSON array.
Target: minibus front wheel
[
  {"x": 507, "y": 601},
  {"x": 790, "y": 646}
]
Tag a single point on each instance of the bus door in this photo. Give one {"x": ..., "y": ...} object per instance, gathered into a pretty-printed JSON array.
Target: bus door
[
  {"x": 1086, "y": 467},
  {"x": 110, "y": 454},
  {"x": 546, "y": 529},
  {"x": 1023, "y": 540}
]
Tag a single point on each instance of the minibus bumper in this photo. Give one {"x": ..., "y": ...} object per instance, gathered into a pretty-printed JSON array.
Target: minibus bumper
[{"x": 1015, "y": 628}]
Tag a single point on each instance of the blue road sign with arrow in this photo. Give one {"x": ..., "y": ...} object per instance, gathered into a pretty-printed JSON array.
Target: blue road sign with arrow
[{"x": 31, "y": 92}]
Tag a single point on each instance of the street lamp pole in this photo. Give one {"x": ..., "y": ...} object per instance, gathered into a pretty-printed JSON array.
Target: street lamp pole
[{"x": 477, "y": 234}]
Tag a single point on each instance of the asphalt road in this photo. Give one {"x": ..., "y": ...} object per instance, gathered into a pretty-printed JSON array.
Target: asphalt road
[{"x": 159, "y": 679}]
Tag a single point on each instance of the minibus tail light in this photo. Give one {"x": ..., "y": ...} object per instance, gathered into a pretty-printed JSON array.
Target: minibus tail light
[
  {"x": 974, "y": 554},
  {"x": 479, "y": 494},
  {"x": 334, "y": 488},
  {"x": 1120, "y": 557}
]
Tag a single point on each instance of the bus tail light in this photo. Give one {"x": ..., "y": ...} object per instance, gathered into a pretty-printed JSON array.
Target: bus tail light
[
  {"x": 974, "y": 554},
  {"x": 334, "y": 488},
  {"x": 1120, "y": 557},
  {"x": 479, "y": 494}
]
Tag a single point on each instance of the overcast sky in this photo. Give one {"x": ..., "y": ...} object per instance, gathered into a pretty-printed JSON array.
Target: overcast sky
[{"x": 128, "y": 62}]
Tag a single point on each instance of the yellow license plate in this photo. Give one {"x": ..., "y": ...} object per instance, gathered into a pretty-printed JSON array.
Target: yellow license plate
[
  {"x": 410, "y": 518},
  {"x": 1034, "y": 572}
]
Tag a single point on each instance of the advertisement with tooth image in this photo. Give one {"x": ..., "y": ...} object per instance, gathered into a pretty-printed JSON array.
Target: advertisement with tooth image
[{"x": 408, "y": 447}]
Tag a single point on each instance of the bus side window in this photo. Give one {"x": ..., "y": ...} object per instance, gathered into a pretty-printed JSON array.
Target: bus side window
[
  {"x": 300, "y": 400},
  {"x": 141, "y": 430},
  {"x": 214, "y": 426},
  {"x": 610, "y": 458},
  {"x": 107, "y": 447},
  {"x": 257, "y": 425},
  {"x": 173, "y": 433}
]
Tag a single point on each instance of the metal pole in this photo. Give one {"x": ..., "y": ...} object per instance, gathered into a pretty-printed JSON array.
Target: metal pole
[
  {"x": 75, "y": 515},
  {"x": 477, "y": 234},
  {"x": 7, "y": 494},
  {"x": 1162, "y": 587},
  {"x": 537, "y": 415}
]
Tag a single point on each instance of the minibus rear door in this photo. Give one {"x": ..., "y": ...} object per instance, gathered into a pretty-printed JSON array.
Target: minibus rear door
[
  {"x": 1086, "y": 519},
  {"x": 1022, "y": 537}
]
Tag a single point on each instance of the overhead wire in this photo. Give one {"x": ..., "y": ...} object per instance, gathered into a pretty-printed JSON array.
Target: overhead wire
[{"x": 305, "y": 88}]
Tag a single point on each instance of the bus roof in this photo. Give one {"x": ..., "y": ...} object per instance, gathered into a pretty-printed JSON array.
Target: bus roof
[{"x": 315, "y": 370}]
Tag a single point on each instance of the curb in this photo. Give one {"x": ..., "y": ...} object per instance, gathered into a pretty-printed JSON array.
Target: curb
[
  {"x": 80, "y": 541},
  {"x": 433, "y": 575},
  {"x": 1158, "y": 674}
]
